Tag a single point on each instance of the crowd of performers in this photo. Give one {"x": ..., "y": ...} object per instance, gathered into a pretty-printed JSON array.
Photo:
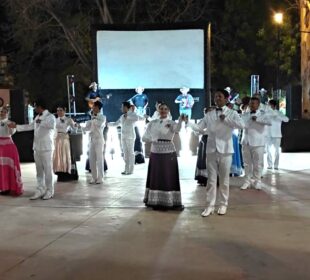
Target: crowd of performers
[{"x": 232, "y": 141}]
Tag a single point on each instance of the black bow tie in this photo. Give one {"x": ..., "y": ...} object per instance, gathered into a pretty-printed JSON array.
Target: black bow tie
[
  {"x": 253, "y": 112},
  {"x": 219, "y": 109}
]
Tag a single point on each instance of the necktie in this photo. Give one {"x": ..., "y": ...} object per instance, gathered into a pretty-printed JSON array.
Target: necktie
[
  {"x": 219, "y": 109},
  {"x": 253, "y": 112}
]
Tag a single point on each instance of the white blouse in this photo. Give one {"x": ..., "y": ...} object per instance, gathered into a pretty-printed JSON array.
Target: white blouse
[
  {"x": 161, "y": 129},
  {"x": 4, "y": 130},
  {"x": 64, "y": 124}
]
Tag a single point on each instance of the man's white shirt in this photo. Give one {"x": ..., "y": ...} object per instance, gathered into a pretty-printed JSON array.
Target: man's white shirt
[
  {"x": 95, "y": 127},
  {"x": 254, "y": 133},
  {"x": 276, "y": 118},
  {"x": 219, "y": 131},
  {"x": 128, "y": 124},
  {"x": 44, "y": 127}
]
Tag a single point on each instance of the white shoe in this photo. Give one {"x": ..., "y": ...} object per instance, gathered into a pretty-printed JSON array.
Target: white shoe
[
  {"x": 245, "y": 186},
  {"x": 208, "y": 211},
  {"x": 92, "y": 181},
  {"x": 222, "y": 210},
  {"x": 258, "y": 186},
  {"x": 48, "y": 195},
  {"x": 36, "y": 195},
  {"x": 99, "y": 182}
]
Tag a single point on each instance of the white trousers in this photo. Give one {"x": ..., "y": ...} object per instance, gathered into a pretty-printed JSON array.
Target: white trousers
[
  {"x": 218, "y": 165},
  {"x": 44, "y": 168},
  {"x": 96, "y": 160},
  {"x": 273, "y": 142},
  {"x": 253, "y": 159},
  {"x": 129, "y": 154}
]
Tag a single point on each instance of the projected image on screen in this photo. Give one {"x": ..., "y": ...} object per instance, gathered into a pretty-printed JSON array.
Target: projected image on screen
[{"x": 152, "y": 59}]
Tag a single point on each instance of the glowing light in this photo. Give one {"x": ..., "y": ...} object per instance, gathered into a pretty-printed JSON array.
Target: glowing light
[{"x": 278, "y": 18}]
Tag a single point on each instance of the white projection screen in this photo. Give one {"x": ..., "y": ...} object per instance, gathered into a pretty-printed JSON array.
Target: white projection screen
[{"x": 153, "y": 59}]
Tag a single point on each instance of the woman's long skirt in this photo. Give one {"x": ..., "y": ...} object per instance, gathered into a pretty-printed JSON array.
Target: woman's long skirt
[
  {"x": 163, "y": 182},
  {"x": 10, "y": 175},
  {"x": 201, "y": 173},
  {"x": 64, "y": 164},
  {"x": 236, "y": 165}
]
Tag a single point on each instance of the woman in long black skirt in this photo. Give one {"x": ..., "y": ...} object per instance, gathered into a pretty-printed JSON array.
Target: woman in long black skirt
[
  {"x": 163, "y": 182},
  {"x": 201, "y": 173}
]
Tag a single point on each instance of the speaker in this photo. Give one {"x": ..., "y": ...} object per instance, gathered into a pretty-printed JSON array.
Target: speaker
[
  {"x": 294, "y": 102},
  {"x": 24, "y": 142},
  {"x": 19, "y": 111}
]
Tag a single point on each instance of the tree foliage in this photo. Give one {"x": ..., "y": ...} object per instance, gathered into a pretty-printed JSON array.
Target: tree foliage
[
  {"x": 249, "y": 44},
  {"x": 52, "y": 38}
]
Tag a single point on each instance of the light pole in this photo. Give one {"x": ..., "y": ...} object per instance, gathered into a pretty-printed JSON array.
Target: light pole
[
  {"x": 209, "y": 63},
  {"x": 278, "y": 19}
]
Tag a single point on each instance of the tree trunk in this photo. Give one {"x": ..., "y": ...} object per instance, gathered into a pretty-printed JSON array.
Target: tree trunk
[{"x": 305, "y": 56}]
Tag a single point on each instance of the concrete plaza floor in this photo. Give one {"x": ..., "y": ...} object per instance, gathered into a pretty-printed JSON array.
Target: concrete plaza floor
[{"x": 105, "y": 232}]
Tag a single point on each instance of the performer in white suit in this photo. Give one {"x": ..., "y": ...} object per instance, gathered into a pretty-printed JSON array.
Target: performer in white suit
[
  {"x": 274, "y": 135},
  {"x": 95, "y": 127},
  {"x": 253, "y": 143},
  {"x": 44, "y": 126},
  {"x": 127, "y": 121},
  {"x": 220, "y": 124}
]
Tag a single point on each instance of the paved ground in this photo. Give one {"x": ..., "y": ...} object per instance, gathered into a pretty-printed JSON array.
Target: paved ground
[{"x": 104, "y": 232}]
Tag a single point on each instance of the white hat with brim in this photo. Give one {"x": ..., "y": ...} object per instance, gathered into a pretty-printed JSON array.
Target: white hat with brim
[{"x": 92, "y": 84}]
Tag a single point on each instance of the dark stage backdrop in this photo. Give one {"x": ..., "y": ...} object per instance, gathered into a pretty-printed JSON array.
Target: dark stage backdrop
[{"x": 162, "y": 58}]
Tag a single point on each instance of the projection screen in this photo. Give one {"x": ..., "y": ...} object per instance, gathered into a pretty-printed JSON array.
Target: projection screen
[{"x": 154, "y": 59}]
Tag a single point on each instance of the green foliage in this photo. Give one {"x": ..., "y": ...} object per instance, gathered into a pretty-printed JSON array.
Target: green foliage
[
  {"x": 52, "y": 38},
  {"x": 246, "y": 43}
]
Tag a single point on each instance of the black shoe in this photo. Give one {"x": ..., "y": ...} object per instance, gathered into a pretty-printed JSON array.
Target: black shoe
[
  {"x": 7, "y": 192},
  {"x": 179, "y": 208}
]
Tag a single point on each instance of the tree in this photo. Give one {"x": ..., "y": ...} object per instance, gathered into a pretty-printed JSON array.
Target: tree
[
  {"x": 305, "y": 54},
  {"x": 246, "y": 44},
  {"x": 52, "y": 37}
]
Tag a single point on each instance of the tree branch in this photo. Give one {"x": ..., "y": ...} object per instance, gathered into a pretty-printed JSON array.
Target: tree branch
[{"x": 130, "y": 10}]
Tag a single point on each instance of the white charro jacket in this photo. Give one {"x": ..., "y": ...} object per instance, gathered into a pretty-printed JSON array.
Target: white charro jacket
[
  {"x": 44, "y": 127},
  {"x": 254, "y": 133},
  {"x": 276, "y": 117},
  {"x": 127, "y": 122},
  {"x": 219, "y": 131},
  {"x": 95, "y": 127}
]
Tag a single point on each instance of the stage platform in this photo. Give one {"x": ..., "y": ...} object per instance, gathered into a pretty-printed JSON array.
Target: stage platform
[{"x": 90, "y": 232}]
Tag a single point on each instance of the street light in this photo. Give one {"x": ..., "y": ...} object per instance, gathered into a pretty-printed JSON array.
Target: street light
[{"x": 278, "y": 19}]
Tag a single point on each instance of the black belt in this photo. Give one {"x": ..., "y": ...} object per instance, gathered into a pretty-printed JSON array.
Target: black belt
[{"x": 163, "y": 140}]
